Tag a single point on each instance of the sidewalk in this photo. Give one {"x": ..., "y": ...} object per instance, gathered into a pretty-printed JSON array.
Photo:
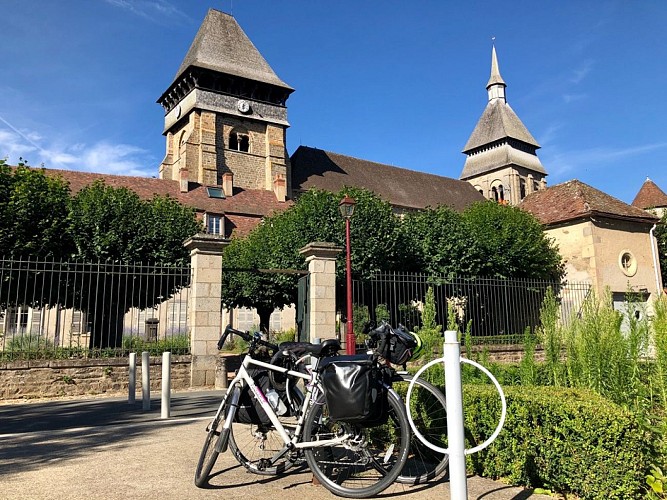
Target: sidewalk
[{"x": 104, "y": 448}]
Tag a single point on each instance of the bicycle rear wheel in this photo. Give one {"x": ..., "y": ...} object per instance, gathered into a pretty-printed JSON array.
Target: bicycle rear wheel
[
  {"x": 364, "y": 464},
  {"x": 428, "y": 408}
]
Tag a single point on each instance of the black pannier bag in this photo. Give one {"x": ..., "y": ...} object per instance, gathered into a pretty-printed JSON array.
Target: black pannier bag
[
  {"x": 249, "y": 410},
  {"x": 401, "y": 345},
  {"x": 354, "y": 390},
  {"x": 396, "y": 345}
]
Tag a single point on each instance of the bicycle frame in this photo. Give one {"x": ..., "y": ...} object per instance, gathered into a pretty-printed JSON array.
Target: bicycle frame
[{"x": 243, "y": 377}]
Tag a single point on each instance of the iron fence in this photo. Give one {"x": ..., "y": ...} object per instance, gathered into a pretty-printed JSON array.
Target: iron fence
[
  {"x": 496, "y": 310},
  {"x": 83, "y": 309}
]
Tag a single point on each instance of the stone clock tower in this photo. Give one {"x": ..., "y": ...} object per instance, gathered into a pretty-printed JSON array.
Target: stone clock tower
[{"x": 226, "y": 115}]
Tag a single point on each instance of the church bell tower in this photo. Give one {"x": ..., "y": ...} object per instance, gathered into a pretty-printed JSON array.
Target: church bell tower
[
  {"x": 502, "y": 160},
  {"x": 225, "y": 115}
]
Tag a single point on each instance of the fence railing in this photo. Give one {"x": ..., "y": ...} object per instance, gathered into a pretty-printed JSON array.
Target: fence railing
[
  {"x": 497, "y": 310},
  {"x": 74, "y": 309}
]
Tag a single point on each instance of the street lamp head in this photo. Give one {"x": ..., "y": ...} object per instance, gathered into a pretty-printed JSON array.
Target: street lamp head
[{"x": 346, "y": 206}]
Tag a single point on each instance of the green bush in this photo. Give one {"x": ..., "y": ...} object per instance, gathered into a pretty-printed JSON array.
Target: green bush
[{"x": 565, "y": 440}]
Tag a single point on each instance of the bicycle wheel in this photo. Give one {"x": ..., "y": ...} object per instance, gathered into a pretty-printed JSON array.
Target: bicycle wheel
[
  {"x": 209, "y": 454},
  {"x": 428, "y": 408},
  {"x": 366, "y": 463},
  {"x": 260, "y": 449}
]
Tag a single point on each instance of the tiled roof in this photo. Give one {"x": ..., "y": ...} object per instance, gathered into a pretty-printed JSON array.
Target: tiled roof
[
  {"x": 575, "y": 200},
  {"x": 222, "y": 45},
  {"x": 244, "y": 209},
  {"x": 650, "y": 196},
  {"x": 315, "y": 168}
]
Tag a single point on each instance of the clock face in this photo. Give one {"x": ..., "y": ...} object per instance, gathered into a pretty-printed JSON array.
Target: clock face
[{"x": 243, "y": 106}]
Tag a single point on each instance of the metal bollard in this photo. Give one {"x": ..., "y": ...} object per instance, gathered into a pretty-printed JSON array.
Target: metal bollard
[
  {"x": 132, "y": 379},
  {"x": 458, "y": 483},
  {"x": 165, "y": 406},
  {"x": 221, "y": 375},
  {"x": 145, "y": 380}
]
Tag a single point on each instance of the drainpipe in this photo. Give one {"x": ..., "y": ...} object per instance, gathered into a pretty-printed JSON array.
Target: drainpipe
[{"x": 656, "y": 263}]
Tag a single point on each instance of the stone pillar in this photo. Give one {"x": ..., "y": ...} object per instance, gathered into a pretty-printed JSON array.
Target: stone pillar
[
  {"x": 204, "y": 305},
  {"x": 321, "y": 259}
]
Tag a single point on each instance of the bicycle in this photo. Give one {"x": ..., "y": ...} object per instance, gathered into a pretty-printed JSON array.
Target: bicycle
[
  {"x": 350, "y": 460},
  {"x": 427, "y": 406}
]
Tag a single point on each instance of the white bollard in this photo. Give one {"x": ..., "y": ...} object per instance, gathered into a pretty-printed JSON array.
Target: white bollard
[
  {"x": 165, "y": 407},
  {"x": 132, "y": 377},
  {"x": 145, "y": 380},
  {"x": 458, "y": 485}
]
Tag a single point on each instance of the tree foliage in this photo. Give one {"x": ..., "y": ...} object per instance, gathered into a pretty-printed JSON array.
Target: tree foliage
[
  {"x": 114, "y": 223},
  {"x": 486, "y": 240},
  {"x": 275, "y": 244},
  {"x": 33, "y": 213},
  {"x": 113, "y": 227},
  {"x": 661, "y": 236}
]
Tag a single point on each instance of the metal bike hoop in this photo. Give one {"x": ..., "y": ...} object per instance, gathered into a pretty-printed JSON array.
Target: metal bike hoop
[{"x": 446, "y": 450}]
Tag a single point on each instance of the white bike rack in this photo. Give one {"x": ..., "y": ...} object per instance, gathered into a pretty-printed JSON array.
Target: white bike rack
[{"x": 455, "y": 434}]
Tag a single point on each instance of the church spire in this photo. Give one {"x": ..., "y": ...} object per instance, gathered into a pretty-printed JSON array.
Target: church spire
[{"x": 496, "y": 85}]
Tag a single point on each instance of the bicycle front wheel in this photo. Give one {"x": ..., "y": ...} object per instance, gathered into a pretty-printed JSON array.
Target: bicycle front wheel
[
  {"x": 428, "y": 409},
  {"x": 209, "y": 454},
  {"x": 367, "y": 462},
  {"x": 260, "y": 449}
]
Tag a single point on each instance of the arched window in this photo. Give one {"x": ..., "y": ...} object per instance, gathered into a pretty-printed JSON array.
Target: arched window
[
  {"x": 494, "y": 192},
  {"x": 239, "y": 140},
  {"x": 501, "y": 193},
  {"x": 522, "y": 188}
]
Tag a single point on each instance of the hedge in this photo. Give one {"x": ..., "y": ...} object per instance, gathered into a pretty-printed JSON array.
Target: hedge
[{"x": 564, "y": 440}]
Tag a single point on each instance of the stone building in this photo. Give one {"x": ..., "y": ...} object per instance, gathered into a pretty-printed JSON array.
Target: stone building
[{"x": 603, "y": 241}]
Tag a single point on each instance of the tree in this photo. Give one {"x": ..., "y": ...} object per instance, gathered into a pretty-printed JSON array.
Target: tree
[
  {"x": 275, "y": 244},
  {"x": 661, "y": 236},
  {"x": 510, "y": 243},
  {"x": 33, "y": 213},
  {"x": 486, "y": 240},
  {"x": 118, "y": 229}
]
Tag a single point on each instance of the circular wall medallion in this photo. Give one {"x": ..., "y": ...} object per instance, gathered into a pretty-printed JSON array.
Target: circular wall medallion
[{"x": 627, "y": 262}]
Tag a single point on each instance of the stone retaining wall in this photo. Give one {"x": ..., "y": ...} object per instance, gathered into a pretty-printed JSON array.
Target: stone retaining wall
[{"x": 75, "y": 377}]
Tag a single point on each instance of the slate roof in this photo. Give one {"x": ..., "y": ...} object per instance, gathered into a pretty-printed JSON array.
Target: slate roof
[
  {"x": 574, "y": 200},
  {"x": 498, "y": 121},
  {"x": 316, "y": 168},
  {"x": 222, "y": 45},
  {"x": 650, "y": 196},
  {"x": 244, "y": 209}
]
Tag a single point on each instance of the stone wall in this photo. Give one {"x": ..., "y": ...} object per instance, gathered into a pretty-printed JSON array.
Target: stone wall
[{"x": 76, "y": 377}]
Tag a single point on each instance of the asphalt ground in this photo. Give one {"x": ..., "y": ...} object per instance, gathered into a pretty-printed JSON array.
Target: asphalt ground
[{"x": 105, "y": 448}]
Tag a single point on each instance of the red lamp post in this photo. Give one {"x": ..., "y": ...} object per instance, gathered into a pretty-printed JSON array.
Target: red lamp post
[{"x": 346, "y": 207}]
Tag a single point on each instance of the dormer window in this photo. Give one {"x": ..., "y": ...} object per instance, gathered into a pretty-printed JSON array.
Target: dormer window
[
  {"x": 239, "y": 140},
  {"x": 214, "y": 224}
]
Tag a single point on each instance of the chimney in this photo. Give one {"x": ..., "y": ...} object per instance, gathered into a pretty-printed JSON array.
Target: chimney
[
  {"x": 280, "y": 187},
  {"x": 228, "y": 183},
  {"x": 184, "y": 183}
]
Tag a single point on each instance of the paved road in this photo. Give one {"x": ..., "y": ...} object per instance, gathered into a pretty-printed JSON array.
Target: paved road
[{"x": 107, "y": 449}]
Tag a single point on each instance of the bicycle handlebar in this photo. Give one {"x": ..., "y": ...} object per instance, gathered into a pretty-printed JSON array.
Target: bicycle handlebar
[{"x": 254, "y": 338}]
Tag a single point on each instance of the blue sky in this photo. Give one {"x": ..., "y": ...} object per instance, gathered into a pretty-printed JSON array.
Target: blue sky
[{"x": 396, "y": 82}]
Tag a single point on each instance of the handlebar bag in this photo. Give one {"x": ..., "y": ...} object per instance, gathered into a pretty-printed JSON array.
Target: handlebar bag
[{"x": 354, "y": 390}]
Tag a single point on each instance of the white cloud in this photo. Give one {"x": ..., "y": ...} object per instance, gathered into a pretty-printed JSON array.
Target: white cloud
[
  {"x": 568, "y": 98},
  {"x": 580, "y": 73},
  {"x": 157, "y": 11},
  {"x": 593, "y": 158},
  {"x": 102, "y": 156}
]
